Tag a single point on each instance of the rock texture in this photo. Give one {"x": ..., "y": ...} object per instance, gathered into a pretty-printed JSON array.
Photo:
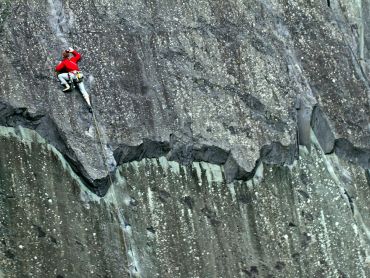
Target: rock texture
[
  {"x": 162, "y": 219},
  {"x": 191, "y": 75},
  {"x": 51, "y": 226},
  {"x": 229, "y": 139}
]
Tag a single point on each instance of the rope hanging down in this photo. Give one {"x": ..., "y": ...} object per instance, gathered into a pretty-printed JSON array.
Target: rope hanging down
[{"x": 120, "y": 217}]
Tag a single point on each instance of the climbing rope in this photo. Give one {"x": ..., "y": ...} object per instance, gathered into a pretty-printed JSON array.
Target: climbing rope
[{"x": 120, "y": 217}]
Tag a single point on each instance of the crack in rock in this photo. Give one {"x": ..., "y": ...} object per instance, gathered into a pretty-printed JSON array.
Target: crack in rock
[{"x": 274, "y": 153}]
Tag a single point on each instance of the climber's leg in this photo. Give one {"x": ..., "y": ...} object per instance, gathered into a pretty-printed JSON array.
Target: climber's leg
[
  {"x": 63, "y": 77},
  {"x": 86, "y": 96}
]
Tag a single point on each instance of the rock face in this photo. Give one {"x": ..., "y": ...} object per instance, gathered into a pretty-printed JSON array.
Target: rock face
[
  {"x": 229, "y": 139},
  {"x": 49, "y": 221}
]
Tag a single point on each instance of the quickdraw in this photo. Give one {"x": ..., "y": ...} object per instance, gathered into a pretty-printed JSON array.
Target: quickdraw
[{"x": 79, "y": 76}]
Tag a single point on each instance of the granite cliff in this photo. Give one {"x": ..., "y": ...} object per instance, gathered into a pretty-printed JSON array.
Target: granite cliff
[{"x": 229, "y": 139}]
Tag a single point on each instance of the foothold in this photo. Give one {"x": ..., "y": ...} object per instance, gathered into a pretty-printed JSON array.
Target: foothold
[
  {"x": 308, "y": 216},
  {"x": 40, "y": 232},
  {"x": 304, "y": 178},
  {"x": 53, "y": 240},
  {"x": 151, "y": 229},
  {"x": 188, "y": 201},
  {"x": 232, "y": 130},
  {"x": 305, "y": 239},
  {"x": 133, "y": 202},
  {"x": 254, "y": 269},
  {"x": 163, "y": 195},
  {"x": 211, "y": 215},
  {"x": 244, "y": 198},
  {"x": 79, "y": 243},
  {"x": 295, "y": 257},
  {"x": 9, "y": 254},
  {"x": 303, "y": 193},
  {"x": 279, "y": 265},
  {"x": 323, "y": 262}
]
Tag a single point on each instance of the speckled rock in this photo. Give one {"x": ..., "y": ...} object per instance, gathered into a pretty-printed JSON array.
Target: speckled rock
[
  {"x": 163, "y": 219},
  {"x": 229, "y": 139},
  {"x": 193, "y": 75},
  {"x": 50, "y": 224}
]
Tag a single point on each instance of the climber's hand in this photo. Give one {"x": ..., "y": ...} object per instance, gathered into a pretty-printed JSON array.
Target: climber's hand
[{"x": 70, "y": 49}]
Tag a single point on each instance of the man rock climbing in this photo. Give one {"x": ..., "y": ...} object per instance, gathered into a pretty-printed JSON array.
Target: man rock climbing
[{"x": 69, "y": 71}]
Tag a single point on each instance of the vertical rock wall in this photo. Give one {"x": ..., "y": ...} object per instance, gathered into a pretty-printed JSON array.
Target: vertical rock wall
[
  {"x": 192, "y": 75},
  {"x": 201, "y": 106},
  {"x": 302, "y": 221},
  {"x": 161, "y": 219},
  {"x": 50, "y": 224}
]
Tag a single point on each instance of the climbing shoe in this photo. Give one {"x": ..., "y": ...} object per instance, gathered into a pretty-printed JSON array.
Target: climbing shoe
[
  {"x": 67, "y": 87},
  {"x": 90, "y": 109}
]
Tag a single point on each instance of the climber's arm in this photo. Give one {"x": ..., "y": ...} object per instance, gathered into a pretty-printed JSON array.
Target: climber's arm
[
  {"x": 59, "y": 67},
  {"x": 77, "y": 56}
]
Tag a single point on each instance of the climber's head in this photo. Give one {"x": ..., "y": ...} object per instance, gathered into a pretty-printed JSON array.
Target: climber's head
[{"x": 65, "y": 54}]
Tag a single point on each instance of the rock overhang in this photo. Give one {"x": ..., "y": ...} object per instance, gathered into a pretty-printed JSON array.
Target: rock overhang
[{"x": 195, "y": 87}]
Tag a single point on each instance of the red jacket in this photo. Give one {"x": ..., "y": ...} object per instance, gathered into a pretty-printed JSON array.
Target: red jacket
[{"x": 68, "y": 65}]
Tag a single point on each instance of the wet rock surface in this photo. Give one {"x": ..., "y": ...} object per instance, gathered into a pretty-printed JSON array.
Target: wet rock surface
[
  {"x": 163, "y": 219},
  {"x": 236, "y": 135},
  {"x": 50, "y": 224}
]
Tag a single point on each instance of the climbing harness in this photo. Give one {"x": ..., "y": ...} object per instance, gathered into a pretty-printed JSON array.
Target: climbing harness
[
  {"x": 79, "y": 77},
  {"x": 78, "y": 74},
  {"x": 71, "y": 83},
  {"x": 120, "y": 217}
]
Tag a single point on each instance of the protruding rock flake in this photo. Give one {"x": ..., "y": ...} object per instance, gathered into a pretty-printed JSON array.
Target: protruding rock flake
[{"x": 172, "y": 216}]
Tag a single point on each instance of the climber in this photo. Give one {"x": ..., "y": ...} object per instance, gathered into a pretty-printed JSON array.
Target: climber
[{"x": 68, "y": 70}]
